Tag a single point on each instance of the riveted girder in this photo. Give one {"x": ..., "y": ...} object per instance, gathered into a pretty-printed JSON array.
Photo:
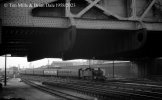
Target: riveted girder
[
  {"x": 80, "y": 28},
  {"x": 22, "y": 15}
]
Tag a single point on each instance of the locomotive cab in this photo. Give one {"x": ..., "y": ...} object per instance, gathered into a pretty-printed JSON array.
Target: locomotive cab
[
  {"x": 91, "y": 74},
  {"x": 98, "y": 75}
]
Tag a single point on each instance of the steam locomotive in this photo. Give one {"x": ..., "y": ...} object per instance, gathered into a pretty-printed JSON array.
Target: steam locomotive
[{"x": 87, "y": 73}]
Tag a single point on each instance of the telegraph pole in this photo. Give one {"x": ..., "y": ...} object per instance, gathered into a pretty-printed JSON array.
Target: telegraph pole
[
  {"x": 48, "y": 64},
  {"x": 5, "y": 79},
  {"x": 33, "y": 69},
  {"x": 113, "y": 68},
  {"x": 89, "y": 63}
]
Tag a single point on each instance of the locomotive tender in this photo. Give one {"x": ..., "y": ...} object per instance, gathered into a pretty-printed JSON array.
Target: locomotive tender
[{"x": 87, "y": 73}]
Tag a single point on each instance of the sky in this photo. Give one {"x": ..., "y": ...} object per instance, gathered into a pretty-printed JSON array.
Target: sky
[{"x": 23, "y": 63}]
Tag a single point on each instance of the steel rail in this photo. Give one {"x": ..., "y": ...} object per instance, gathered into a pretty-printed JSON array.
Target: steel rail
[{"x": 54, "y": 92}]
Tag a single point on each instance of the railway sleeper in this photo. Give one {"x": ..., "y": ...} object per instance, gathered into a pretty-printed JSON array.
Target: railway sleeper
[{"x": 82, "y": 88}]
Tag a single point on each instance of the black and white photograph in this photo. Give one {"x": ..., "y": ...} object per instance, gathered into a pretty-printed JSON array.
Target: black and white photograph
[{"x": 80, "y": 49}]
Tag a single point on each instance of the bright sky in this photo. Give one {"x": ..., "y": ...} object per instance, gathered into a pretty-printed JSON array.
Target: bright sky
[{"x": 22, "y": 62}]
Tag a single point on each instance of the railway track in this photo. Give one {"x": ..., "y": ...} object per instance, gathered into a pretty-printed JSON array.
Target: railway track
[
  {"x": 150, "y": 90},
  {"x": 118, "y": 84},
  {"x": 126, "y": 85},
  {"x": 108, "y": 90},
  {"x": 129, "y": 86},
  {"x": 139, "y": 81},
  {"x": 51, "y": 91}
]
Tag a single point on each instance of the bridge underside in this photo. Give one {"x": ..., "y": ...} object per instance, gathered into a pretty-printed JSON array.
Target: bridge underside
[
  {"x": 100, "y": 29},
  {"x": 72, "y": 43}
]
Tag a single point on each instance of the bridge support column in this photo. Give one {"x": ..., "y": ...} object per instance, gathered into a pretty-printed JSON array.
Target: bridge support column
[
  {"x": 150, "y": 68},
  {"x": 143, "y": 68}
]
